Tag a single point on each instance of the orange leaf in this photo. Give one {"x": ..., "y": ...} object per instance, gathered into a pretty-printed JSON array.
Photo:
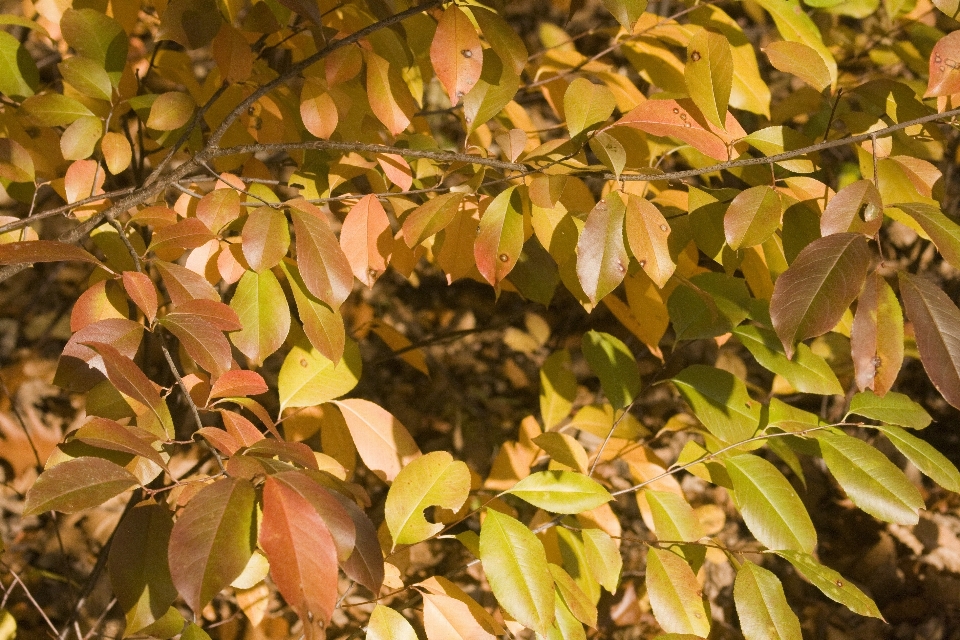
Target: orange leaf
[
  {"x": 682, "y": 120},
  {"x": 456, "y": 53},
  {"x": 945, "y": 67},
  {"x": 365, "y": 238}
]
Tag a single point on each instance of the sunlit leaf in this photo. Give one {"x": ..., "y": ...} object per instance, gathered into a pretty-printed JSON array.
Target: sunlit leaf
[
  {"x": 387, "y": 624},
  {"x": 384, "y": 444},
  {"x": 921, "y": 453},
  {"x": 603, "y": 557},
  {"x": 19, "y": 77},
  {"x": 96, "y": 36},
  {"x": 682, "y": 120},
  {"x": 170, "y": 111},
  {"x": 586, "y": 104},
  {"x": 762, "y": 607},
  {"x": 435, "y": 479},
  {"x": 430, "y": 218},
  {"x": 264, "y": 313},
  {"x": 752, "y": 217},
  {"x": 709, "y": 74},
  {"x": 647, "y": 233},
  {"x": 456, "y": 53},
  {"x": 944, "y": 76},
  {"x": 325, "y": 269},
  {"x": 800, "y": 60},
  {"x": 601, "y": 257},
  {"x": 265, "y": 238},
  {"x": 832, "y": 584},
  {"x": 77, "y": 484},
  {"x": 308, "y": 378},
  {"x": 558, "y": 388},
  {"x": 675, "y": 594},
  {"x": 561, "y": 491},
  {"x": 500, "y": 236},
  {"x": 856, "y": 208},
  {"x": 366, "y": 239},
  {"x": 892, "y": 408},
  {"x": 323, "y": 326},
  {"x": 806, "y": 372}
]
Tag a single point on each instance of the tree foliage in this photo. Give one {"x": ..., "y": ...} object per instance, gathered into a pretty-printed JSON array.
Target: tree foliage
[{"x": 230, "y": 175}]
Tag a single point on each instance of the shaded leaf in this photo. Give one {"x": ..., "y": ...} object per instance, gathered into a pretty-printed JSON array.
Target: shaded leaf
[
  {"x": 203, "y": 341},
  {"x": 720, "y": 401},
  {"x": 107, "y": 434},
  {"x": 558, "y": 388},
  {"x": 944, "y": 232},
  {"x": 500, "y": 236},
  {"x": 143, "y": 292},
  {"x": 752, "y": 217},
  {"x": 328, "y": 504},
  {"x": 183, "y": 285},
  {"x": 322, "y": 325},
  {"x": 19, "y": 77},
  {"x": 238, "y": 382},
  {"x": 31, "y": 251},
  {"x": 431, "y": 217},
  {"x": 170, "y": 111},
  {"x": 578, "y": 603},
  {"x": 96, "y": 36},
  {"x": 614, "y": 364},
  {"x": 876, "y": 336},
  {"x": 800, "y": 60},
  {"x": 586, "y": 104},
  {"x": 501, "y": 36},
  {"x": 77, "y": 484},
  {"x": 935, "y": 321}
]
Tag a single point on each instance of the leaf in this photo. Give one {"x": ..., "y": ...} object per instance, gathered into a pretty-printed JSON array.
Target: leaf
[
  {"x": 186, "y": 234},
  {"x": 675, "y": 595},
  {"x": 137, "y": 565},
  {"x": 806, "y": 372},
  {"x": 561, "y": 491},
  {"x": 143, "y": 292},
  {"x": 264, "y": 313},
  {"x": 944, "y": 79},
  {"x": 770, "y": 507},
  {"x": 944, "y": 232},
  {"x": 832, "y": 584},
  {"x": 386, "y": 624},
  {"x": 601, "y": 257},
  {"x": 935, "y": 320},
  {"x": 603, "y": 557},
  {"x": 647, "y": 234},
  {"x": 515, "y": 564},
  {"x": 430, "y": 218},
  {"x": 183, "y": 285},
  {"x": 501, "y": 36},
  {"x": 876, "y": 336},
  {"x": 390, "y": 100},
  {"x": 610, "y": 151},
  {"x": 215, "y": 312},
  {"x": 892, "y": 408},
  {"x": 949, "y": 7},
  {"x": 448, "y": 612},
  {"x": 682, "y": 120},
  {"x": 456, "y": 54},
  {"x": 19, "y": 77},
  {"x": 212, "y": 540},
  {"x": 31, "y": 251},
  {"x": 931, "y": 462},
  {"x": 365, "y": 564},
  {"x": 384, "y": 444},
  {"x": 752, "y": 217},
  {"x": 366, "y": 239},
  {"x": 80, "y": 138},
  {"x": 170, "y": 111},
  {"x": 309, "y": 378},
  {"x": 219, "y": 208},
  {"x": 709, "y": 74},
  {"x": 129, "y": 380},
  {"x": 432, "y": 480},
  {"x": 762, "y": 607},
  {"x": 558, "y": 388},
  {"x": 496, "y": 88},
  {"x": 813, "y": 293},
  {"x": 564, "y": 449},
  {"x": 800, "y": 60},
  {"x": 77, "y": 484},
  {"x": 87, "y": 77},
  {"x": 325, "y": 269},
  {"x": 238, "y": 382},
  {"x": 500, "y": 236},
  {"x": 586, "y": 104},
  {"x": 107, "y": 434},
  {"x": 322, "y": 325},
  {"x": 328, "y": 504},
  {"x": 856, "y": 208},
  {"x": 720, "y": 401},
  {"x": 303, "y": 558},
  {"x": 573, "y": 596},
  {"x": 673, "y": 517},
  {"x": 204, "y": 342},
  {"x": 795, "y": 26},
  {"x": 231, "y": 52},
  {"x": 871, "y": 481},
  {"x": 16, "y": 164},
  {"x": 626, "y": 12},
  {"x": 614, "y": 364},
  {"x": 98, "y": 37}
]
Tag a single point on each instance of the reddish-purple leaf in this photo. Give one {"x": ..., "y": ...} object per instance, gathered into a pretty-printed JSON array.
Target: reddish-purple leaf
[
  {"x": 203, "y": 342},
  {"x": 856, "y": 208},
  {"x": 944, "y": 66},
  {"x": 78, "y": 484},
  {"x": 219, "y": 208},
  {"x": 431, "y": 217},
  {"x": 107, "y": 434},
  {"x": 500, "y": 236},
  {"x": 682, "y": 120},
  {"x": 243, "y": 431},
  {"x": 218, "y": 314},
  {"x": 647, "y": 233},
  {"x": 212, "y": 540},
  {"x": 238, "y": 382},
  {"x": 936, "y": 325},
  {"x": 80, "y": 367},
  {"x": 220, "y": 439},
  {"x": 327, "y": 504},
  {"x": 32, "y": 251},
  {"x": 143, "y": 292},
  {"x": 810, "y": 297},
  {"x": 323, "y": 326},
  {"x": 601, "y": 256},
  {"x": 876, "y": 337},
  {"x": 265, "y": 238},
  {"x": 295, "y": 452},
  {"x": 366, "y": 239},
  {"x": 127, "y": 377},
  {"x": 302, "y": 554},
  {"x": 186, "y": 234},
  {"x": 456, "y": 53},
  {"x": 365, "y": 564},
  {"x": 183, "y": 285},
  {"x": 325, "y": 269}
]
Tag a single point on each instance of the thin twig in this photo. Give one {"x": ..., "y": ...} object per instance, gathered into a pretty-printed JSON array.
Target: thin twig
[{"x": 30, "y": 596}]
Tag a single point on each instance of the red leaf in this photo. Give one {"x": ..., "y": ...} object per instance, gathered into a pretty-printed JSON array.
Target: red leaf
[
  {"x": 944, "y": 67},
  {"x": 219, "y": 208},
  {"x": 186, "y": 234},
  {"x": 183, "y": 285},
  {"x": 328, "y": 506},
  {"x": 936, "y": 325},
  {"x": 240, "y": 428},
  {"x": 601, "y": 257},
  {"x": 265, "y": 238},
  {"x": 876, "y": 337},
  {"x": 156, "y": 217},
  {"x": 203, "y": 342},
  {"x": 500, "y": 236},
  {"x": 322, "y": 263},
  {"x": 107, "y": 434},
  {"x": 129, "y": 380},
  {"x": 32, "y": 251},
  {"x": 317, "y": 109},
  {"x": 396, "y": 169},
  {"x": 810, "y": 297},
  {"x": 220, "y": 315},
  {"x": 78, "y": 484},
  {"x": 682, "y": 120},
  {"x": 101, "y": 301},
  {"x": 142, "y": 291},
  {"x": 80, "y": 367},
  {"x": 220, "y": 439},
  {"x": 303, "y": 558},
  {"x": 212, "y": 540},
  {"x": 366, "y": 239},
  {"x": 238, "y": 382},
  {"x": 456, "y": 53}
]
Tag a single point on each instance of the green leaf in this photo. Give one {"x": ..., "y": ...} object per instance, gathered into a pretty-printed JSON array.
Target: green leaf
[
  {"x": 831, "y": 583},
  {"x": 263, "y": 310},
  {"x": 515, "y": 563},
  {"x": 322, "y": 325},
  {"x": 170, "y": 111},
  {"x": 558, "y": 388},
  {"x": 626, "y": 12},
  {"x": 19, "y": 76},
  {"x": 212, "y": 540},
  {"x": 502, "y": 37},
  {"x": 811, "y": 296},
  {"x": 931, "y": 462},
  {"x": 675, "y": 595},
  {"x": 500, "y": 236},
  {"x": 77, "y": 484},
  {"x": 138, "y": 565},
  {"x": 603, "y": 558},
  {"x": 762, "y": 606},
  {"x": 752, "y": 217},
  {"x": 387, "y": 624},
  {"x": 192, "y": 631},
  {"x": 265, "y": 237},
  {"x": 770, "y": 507},
  {"x": 308, "y": 378},
  {"x": 935, "y": 320},
  {"x": 574, "y": 598},
  {"x": 944, "y": 232},
  {"x": 601, "y": 257},
  {"x": 806, "y": 371},
  {"x": 586, "y": 104},
  {"x": 876, "y": 336},
  {"x": 614, "y": 364},
  {"x": 709, "y": 74},
  {"x": 98, "y": 37},
  {"x": 561, "y": 491},
  {"x": 720, "y": 401},
  {"x": 54, "y": 109},
  {"x": 434, "y": 479},
  {"x": 497, "y": 86},
  {"x": 673, "y": 517},
  {"x": 87, "y": 77},
  {"x": 893, "y": 408},
  {"x": 874, "y": 483}
]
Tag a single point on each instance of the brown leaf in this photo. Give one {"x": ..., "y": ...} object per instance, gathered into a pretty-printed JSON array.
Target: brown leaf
[
  {"x": 876, "y": 337},
  {"x": 936, "y": 325}
]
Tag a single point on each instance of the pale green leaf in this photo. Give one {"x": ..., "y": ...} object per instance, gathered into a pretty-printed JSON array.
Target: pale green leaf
[
  {"x": 309, "y": 378},
  {"x": 921, "y": 453},
  {"x": 806, "y": 371},
  {"x": 561, "y": 491},
  {"x": 558, "y": 388},
  {"x": 720, "y": 401},
  {"x": 603, "y": 558},
  {"x": 264, "y": 313},
  {"x": 762, "y": 607},
  {"x": 673, "y": 517},
  {"x": 709, "y": 74},
  {"x": 675, "y": 594},
  {"x": 19, "y": 76},
  {"x": 434, "y": 479},
  {"x": 387, "y": 624},
  {"x": 831, "y": 583},
  {"x": 892, "y": 408}
]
